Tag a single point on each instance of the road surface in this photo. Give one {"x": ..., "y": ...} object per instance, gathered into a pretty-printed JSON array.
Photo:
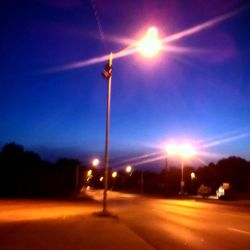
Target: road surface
[
  {"x": 149, "y": 222},
  {"x": 183, "y": 224}
]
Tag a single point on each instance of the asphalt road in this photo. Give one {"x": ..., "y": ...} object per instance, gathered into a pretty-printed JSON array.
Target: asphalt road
[
  {"x": 183, "y": 224},
  {"x": 160, "y": 223}
]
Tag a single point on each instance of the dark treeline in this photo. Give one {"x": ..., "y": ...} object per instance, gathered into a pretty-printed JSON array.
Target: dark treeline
[
  {"x": 232, "y": 170},
  {"x": 24, "y": 173}
]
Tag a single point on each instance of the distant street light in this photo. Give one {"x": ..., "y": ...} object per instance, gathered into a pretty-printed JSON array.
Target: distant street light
[
  {"x": 184, "y": 151},
  {"x": 89, "y": 173},
  {"x": 114, "y": 174},
  {"x": 128, "y": 169},
  {"x": 95, "y": 162},
  {"x": 89, "y": 177},
  {"x": 149, "y": 46},
  {"x": 192, "y": 175}
]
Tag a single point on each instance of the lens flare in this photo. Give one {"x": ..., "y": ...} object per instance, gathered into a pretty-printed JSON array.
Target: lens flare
[
  {"x": 171, "y": 149},
  {"x": 232, "y": 138},
  {"x": 150, "y": 45}
]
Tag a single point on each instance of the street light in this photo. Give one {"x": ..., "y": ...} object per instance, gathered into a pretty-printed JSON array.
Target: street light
[
  {"x": 114, "y": 174},
  {"x": 89, "y": 176},
  {"x": 128, "y": 169},
  {"x": 185, "y": 151},
  {"x": 192, "y": 175},
  {"x": 95, "y": 162},
  {"x": 149, "y": 46}
]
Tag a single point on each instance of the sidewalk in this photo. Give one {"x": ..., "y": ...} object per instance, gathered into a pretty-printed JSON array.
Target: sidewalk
[
  {"x": 111, "y": 234},
  {"x": 81, "y": 230}
]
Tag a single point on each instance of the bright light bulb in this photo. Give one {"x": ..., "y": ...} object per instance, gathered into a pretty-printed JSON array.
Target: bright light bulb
[
  {"x": 150, "y": 45},
  {"x": 186, "y": 150},
  {"x": 128, "y": 169},
  {"x": 114, "y": 174},
  {"x": 95, "y": 162},
  {"x": 171, "y": 149},
  {"x": 89, "y": 173},
  {"x": 192, "y": 175}
]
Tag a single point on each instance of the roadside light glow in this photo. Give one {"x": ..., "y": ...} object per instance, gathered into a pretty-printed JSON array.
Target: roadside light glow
[
  {"x": 101, "y": 178},
  {"x": 114, "y": 174},
  {"x": 150, "y": 45},
  {"x": 95, "y": 162},
  {"x": 193, "y": 175},
  {"x": 186, "y": 150},
  {"x": 171, "y": 149},
  {"x": 128, "y": 169},
  {"x": 89, "y": 173}
]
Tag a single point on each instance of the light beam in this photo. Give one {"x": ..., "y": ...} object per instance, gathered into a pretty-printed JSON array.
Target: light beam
[{"x": 133, "y": 49}]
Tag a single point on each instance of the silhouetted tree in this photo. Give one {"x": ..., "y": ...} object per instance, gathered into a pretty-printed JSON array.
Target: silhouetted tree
[{"x": 23, "y": 173}]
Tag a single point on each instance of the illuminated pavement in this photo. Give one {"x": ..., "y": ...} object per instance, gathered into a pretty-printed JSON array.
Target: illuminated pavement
[
  {"x": 45, "y": 224},
  {"x": 143, "y": 223},
  {"x": 183, "y": 224}
]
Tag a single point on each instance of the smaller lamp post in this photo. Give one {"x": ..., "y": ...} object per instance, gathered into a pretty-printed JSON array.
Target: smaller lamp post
[
  {"x": 184, "y": 151},
  {"x": 128, "y": 169},
  {"x": 192, "y": 176},
  {"x": 114, "y": 175},
  {"x": 95, "y": 162}
]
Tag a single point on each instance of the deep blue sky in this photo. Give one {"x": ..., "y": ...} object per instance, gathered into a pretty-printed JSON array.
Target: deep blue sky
[{"x": 202, "y": 95}]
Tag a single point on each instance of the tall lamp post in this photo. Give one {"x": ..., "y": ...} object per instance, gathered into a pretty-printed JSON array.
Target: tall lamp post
[
  {"x": 148, "y": 46},
  {"x": 186, "y": 151},
  {"x": 107, "y": 74}
]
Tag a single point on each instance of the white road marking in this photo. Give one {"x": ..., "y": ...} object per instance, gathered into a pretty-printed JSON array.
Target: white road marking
[{"x": 238, "y": 230}]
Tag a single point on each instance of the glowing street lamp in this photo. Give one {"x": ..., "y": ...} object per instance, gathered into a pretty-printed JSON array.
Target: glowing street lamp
[
  {"x": 89, "y": 173},
  {"x": 128, "y": 169},
  {"x": 89, "y": 176},
  {"x": 185, "y": 151},
  {"x": 95, "y": 162},
  {"x": 171, "y": 149},
  {"x": 114, "y": 174},
  {"x": 192, "y": 175},
  {"x": 149, "y": 46}
]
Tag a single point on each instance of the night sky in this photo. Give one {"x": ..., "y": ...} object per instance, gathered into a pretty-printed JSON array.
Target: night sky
[{"x": 198, "y": 92}]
